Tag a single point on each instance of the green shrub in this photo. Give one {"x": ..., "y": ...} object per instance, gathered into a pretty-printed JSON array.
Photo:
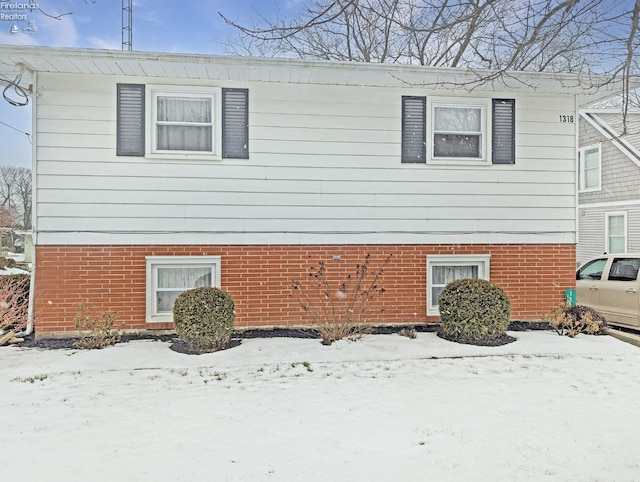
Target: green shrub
[
  {"x": 96, "y": 328},
  {"x": 204, "y": 318},
  {"x": 572, "y": 320},
  {"x": 474, "y": 311}
]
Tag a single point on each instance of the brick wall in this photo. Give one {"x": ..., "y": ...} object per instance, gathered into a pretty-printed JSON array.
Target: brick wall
[{"x": 112, "y": 278}]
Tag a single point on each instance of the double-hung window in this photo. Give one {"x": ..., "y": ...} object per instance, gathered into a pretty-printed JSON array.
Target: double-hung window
[
  {"x": 443, "y": 269},
  {"x": 589, "y": 168},
  {"x": 458, "y": 131},
  {"x": 183, "y": 123},
  {"x": 616, "y": 232},
  {"x": 175, "y": 122},
  {"x": 169, "y": 276}
]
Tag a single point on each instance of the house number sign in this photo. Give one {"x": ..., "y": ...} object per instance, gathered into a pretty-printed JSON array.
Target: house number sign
[{"x": 566, "y": 119}]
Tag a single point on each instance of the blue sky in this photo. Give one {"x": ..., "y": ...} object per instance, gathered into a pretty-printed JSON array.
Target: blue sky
[{"x": 192, "y": 26}]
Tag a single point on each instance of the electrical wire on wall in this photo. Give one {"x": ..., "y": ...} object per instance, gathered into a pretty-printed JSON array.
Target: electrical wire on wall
[{"x": 22, "y": 95}]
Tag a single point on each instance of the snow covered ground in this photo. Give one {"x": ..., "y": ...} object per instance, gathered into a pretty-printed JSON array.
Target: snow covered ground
[{"x": 385, "y": 408}]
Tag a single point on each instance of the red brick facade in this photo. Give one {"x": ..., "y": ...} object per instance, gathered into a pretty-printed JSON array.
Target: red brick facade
[{"x": 112, "y": 278}]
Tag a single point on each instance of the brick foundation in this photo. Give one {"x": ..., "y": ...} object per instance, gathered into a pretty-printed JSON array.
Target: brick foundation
[{"x": 112, "y": 278}]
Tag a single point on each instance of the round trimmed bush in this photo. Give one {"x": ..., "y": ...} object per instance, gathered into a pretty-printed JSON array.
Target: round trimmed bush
[
  {"x": 474, "y": 311},
  {"x": 204, "y": 318}
]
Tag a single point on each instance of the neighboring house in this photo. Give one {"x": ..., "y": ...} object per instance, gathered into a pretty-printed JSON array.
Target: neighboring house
[
  {"x": 609, "y": 183},
  {"x": 155, "y": 173}
]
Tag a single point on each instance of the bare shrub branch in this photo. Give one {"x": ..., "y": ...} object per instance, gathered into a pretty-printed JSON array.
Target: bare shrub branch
[
  {"x": 14, "y": 303},
  {"x": 347, "y": 310}
]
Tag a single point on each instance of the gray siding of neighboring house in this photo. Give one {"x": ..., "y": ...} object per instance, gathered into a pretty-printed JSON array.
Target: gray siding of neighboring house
[
  {"x": 620, "y": 175},
  {"x": 632, "y": 135},
  {"x": 619, "y": 193},
  {"x": 592, "y": 229}
]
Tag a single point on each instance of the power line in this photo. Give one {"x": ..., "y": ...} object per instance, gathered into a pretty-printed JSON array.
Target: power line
[{"x": 17, "y": 130}]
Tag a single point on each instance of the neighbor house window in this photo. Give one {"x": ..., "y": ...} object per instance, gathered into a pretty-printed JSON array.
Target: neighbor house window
[
  {"x": 442, "y": 269},
  {"x": 616, "y": 232},
  {"x": 169, "y": 276},
  {"x": 180, "y": 121},
  {"x": 589, "y": 169}
]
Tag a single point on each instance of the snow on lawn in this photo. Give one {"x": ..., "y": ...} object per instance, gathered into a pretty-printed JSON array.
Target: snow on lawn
[{"x": 385, "y": 408}]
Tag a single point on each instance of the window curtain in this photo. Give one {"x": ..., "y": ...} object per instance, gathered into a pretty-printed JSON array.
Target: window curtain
[
  {"x": 173, "y": 281},
  {"x": 441, "y": 275},
  {"x": 174, "y": 114}
]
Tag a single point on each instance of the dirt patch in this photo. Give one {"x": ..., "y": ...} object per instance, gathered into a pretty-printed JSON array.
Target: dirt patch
[{"x": 180, "y": 346}]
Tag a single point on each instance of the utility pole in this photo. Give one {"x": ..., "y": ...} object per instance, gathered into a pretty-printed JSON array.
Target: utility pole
[{"x": 127, "y": 25}]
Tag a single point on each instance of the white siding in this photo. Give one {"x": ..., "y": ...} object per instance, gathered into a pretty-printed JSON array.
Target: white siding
[{"x": 324, "y": 167}]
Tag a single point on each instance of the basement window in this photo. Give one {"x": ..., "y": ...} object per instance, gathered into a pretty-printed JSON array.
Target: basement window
[
  {"x": 169, "y": 276},
  {"x": 443, "y": 269}
]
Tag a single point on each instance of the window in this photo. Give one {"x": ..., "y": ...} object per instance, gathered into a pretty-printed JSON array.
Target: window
[
  {"x": 168, "y": 276},
  {"x": 183, "y": 123},
  {"x": 616, "y": 232},
  {"x": 459, "y": 130},
  {"x": 589, "y": 169},
  {"x": 205, "y": 122},
  {"x": 592, "y": 270},
  {"x": 442, "y": 269},
  {"x": 624, "y": 269}
]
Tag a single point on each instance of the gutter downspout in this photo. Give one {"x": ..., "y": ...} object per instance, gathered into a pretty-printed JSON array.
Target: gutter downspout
[{"x": 34, "y": 142}]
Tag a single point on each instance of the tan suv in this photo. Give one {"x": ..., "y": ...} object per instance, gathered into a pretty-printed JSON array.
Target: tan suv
[{"x": 610, "y": 285}]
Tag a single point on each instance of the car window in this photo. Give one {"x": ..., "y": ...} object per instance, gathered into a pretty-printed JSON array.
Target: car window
[
  {"x": 592, "y": 270},
  {"x": 624, "y": 269}
]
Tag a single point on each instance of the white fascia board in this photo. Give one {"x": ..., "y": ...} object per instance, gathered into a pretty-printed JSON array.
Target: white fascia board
[{"x": 610, "y": 134}]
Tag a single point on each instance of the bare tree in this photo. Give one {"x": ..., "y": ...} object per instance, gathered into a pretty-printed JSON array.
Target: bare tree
[
  {"x": 7, "y": 185},
  {"x": 23, "y": 195},
  {"x": 585, "y": 37},
  {"x": 16, "y": 194}
]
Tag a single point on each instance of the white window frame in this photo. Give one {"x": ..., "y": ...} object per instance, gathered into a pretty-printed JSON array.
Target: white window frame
[
  {"x": 582, "y": 172},
  {"x": 606, "y": 230},
  {"x": 483, "y": 261},
  {"x": 485, "y": 129},
  {"x": 213, "y": 93},
  {"x": 152, "y": 264}
]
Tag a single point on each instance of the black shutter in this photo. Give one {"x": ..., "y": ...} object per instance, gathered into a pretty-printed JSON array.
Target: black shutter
[
  {"x": 414, "y": 126},
  {"x": 235, "y": 123},
  {"x": 131, "y": 114},
  {"x": 504, "y": 131}
]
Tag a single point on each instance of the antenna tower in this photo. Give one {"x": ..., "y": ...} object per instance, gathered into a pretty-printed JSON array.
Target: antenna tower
[{"x": 127, "y": 24}]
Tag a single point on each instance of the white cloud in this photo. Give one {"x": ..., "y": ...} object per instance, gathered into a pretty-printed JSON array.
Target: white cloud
[
  {"x": 101, "y": 43},
  {"x": 61, "y": 31},
  {"x": 19, "y": 38}
]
